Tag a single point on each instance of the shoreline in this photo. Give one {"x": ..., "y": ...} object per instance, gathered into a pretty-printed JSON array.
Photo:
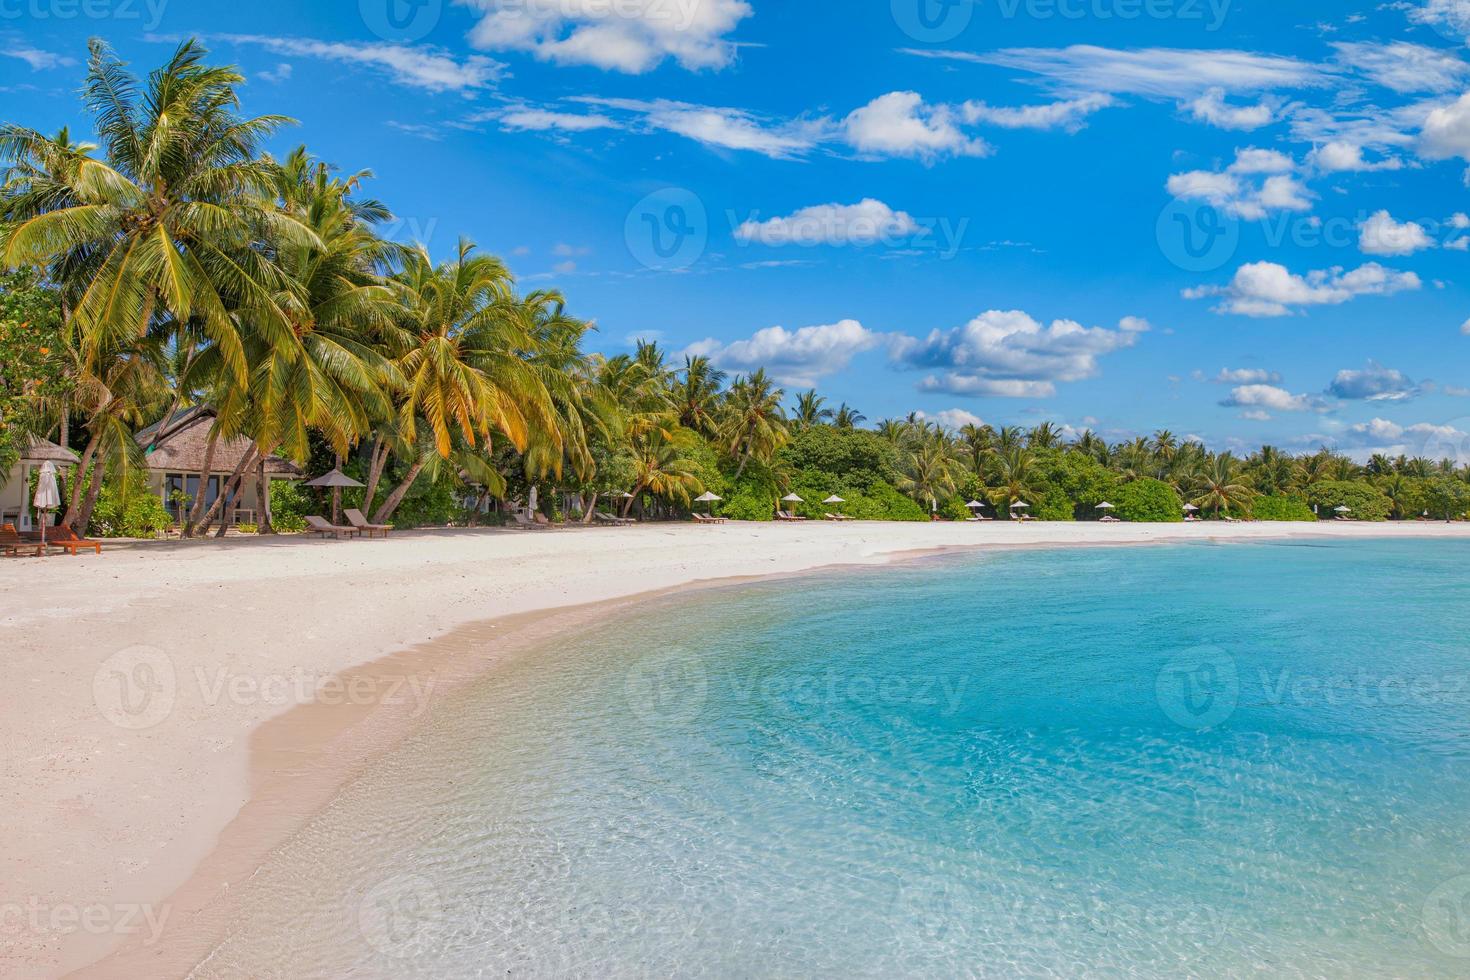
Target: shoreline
[{"x": 283, "y": 766}]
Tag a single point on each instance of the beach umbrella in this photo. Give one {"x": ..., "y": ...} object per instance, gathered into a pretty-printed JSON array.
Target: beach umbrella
[
  {"x": 47, "y": 498},
  {"x": 1191, "y": 508},
  {"x": 792, "y": 498},
  {"x": 709, "y": 498},
  {"x": 974, "y": 505},
  {"x": 834, "y": 499},
  {"x": 336, "y": 479},
  {"x": 1343, "y": 509},
  {"x": 1106, "y": 506},
  {"x": 1020, "y": 504}
]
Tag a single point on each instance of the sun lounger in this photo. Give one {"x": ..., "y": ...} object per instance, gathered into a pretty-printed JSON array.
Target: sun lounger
[
  {"x": 611, "y": 520},
  {"x": 702, "y": 519},
  {"x": 320, "y": 526},
  {"x": 523, "y": 521},
  {"x": 66, "y": 539},
  {"x": 13, "y": 545},
  {"x": 355, "y": 518},
  {"x": 836, "y": 517},
  {"x": 785, "y": 515}
]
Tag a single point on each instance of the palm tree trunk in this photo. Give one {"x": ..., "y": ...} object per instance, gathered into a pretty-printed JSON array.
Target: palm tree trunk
[
  {"x": 232, "y": 488},
  {"x": 196, "y": 508},
  {"x": 591, "y": 509},
  {"x": 376, "y": 461},
  {"x": 73, "y": 504},
  {"x": 224, "y": 490},
  {"x": 94, "y": 487},
  {"x": 263, "y": 488},
  {"x": 396, "y": 497},
  {"x": 628, "y": 505}
]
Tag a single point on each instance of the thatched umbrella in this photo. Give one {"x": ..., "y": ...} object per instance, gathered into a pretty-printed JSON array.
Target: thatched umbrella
[
  {"x": 336, "y": 480},
  {"x": 710, "y": 498},
  {"x": 834, "y": 499}
]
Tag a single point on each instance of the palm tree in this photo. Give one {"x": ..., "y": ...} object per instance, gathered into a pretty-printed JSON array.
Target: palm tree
[
  {"x": 929, "y": 470},
  {"x": 1220, "y": 487},
  {"x": 1092, "y": 446},
  {"x": 979, "y": 443},
  {"x": 697, "y": 394},
  {"x": 847, "y": 418},
  {"x": 1043, "y": 436},
  {"x": 1013, "y": 471},
  {"x": 754, "y": 427},
  {"x": 810, "y": 410}
]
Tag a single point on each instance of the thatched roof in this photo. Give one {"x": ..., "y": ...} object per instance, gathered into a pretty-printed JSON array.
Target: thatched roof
[
  {"x": 40, "y": 450},
  {"x": 179, "y": 446}
]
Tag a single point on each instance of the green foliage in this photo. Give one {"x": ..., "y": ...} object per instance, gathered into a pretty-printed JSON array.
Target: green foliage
[
  {"x": 1148, "y": 501},
  {"x": 954, "y": 509},
  {"x": 1082, "y": 480},
  {"x": 851, "y": 457},
  {"x": 1367, "y": 502},
  {"x": 32, "y": 357},
  {"x": 1282, "y": 508},
  {"x": 126, "y": 508},
  {"x": 1054, "y": 504},
  {"x": 290, "y": 503},
  {"x": 1446, "y": 498},
  {"x": 752, "y": 498}
]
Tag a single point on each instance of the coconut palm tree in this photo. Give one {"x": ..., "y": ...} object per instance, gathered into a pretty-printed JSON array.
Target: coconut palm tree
[
  {"x": 753, "y": 427},
  {"x": 848, "y": 418},
  {"x": 1013, "y": 470},
  {"x": 810, "y": 410},
  {"x": 697, "y": 393},
  {"x": 929, "y": 470},
  {"x": 1220, "y": 488},
  {"x": 979, "y": 443}
]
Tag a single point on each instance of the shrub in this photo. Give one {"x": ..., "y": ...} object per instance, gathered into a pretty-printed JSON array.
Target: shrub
[
  {"x": 1148, "y": 501},
  {"x": 126, "y": 508},
  {"x": 248, "y": 528},
  {"x": 290, "y": 504},
  {"x": 1054, "y": 505},
  {"x": 954, "y": 509},
  {"x": 1287, "y": 508},
  {"x": 1366, "y": 501}
]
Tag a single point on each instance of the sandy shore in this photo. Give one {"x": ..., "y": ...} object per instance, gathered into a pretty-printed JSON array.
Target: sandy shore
[{"x": 146, "y": 715}]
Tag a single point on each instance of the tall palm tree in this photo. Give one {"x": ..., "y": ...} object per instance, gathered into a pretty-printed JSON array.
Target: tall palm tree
[
  {"x": 848, "y": 418},
  {"x": 697, "y": 393},
  {"x": 810, "y": 410},
  {"x": 1043, "y": 436},
  {"x": 929, "y": 471},
  {"x": 979, "y": 443},
  {"x": 1013, "y": 470},
  {"x": 754, "y": 427},
  {"x": 1220, "y": 487}
]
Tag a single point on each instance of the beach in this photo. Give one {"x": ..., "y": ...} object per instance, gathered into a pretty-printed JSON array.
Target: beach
[{"x": 166, "y": 703}]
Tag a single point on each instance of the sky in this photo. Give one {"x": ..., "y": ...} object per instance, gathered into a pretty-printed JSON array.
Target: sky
[{"x": 1246, "y": 221}]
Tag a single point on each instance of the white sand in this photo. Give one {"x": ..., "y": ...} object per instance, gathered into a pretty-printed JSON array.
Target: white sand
[{"x": 106, "y": 818}]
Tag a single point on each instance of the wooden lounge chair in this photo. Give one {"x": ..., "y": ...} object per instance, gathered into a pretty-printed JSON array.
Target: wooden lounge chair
[
  {"x": 13, "y": 545},
  {"x": 614, "y": 520},
  {"x": 355, "y": 518},
  {"x": 320, "y": 526},
  {"x": 523, "y": 521},
  {"x": 66, "y": 539},
  {"x": 786, "y": 515},
  {"x": 702, "y": 519}
]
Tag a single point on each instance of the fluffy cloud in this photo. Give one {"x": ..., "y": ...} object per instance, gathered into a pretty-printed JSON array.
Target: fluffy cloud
[
  {"x": 1381, "y": 235},
  {"x": 38, "y": 60},
  {"x": 1263, "y": 289},
  {"x": 1009, "y": 354},
  {"x": 1271, "y": 398},
  {"x": 1340, "y": 156},
  {"x": 1212, "y": 108},
  {"x": 724, "y": 128},
  {"x": 863, "y": 223},
  {"x": 1404, "y": 67},
  {"x": 793, "y": 357},
  {"x": 1375, "y": 383},
  {"x": 952, "y": 418},
  {"x": 1237, "y": 191},
  {"x": 1176, "y": 73},
  {"x": 1245, "y": 376},
  {"x": 1446, "y": 131},
  {"x": 1420, "y": 439},
  {"x": 1070, "y": 114},
  {"x": 900, "y": 124},
  {"x": 1451, "y": 15},
  {"x": 418, "y": 67},
  {"x": 632, "y": 36}
]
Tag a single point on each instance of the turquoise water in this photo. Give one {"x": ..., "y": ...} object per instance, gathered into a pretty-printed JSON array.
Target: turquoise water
[{"x": 1210, "y": 761}]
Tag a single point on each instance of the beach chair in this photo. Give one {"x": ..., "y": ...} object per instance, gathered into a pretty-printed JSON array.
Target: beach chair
[
  {"x": 786, "y": 515},
  {"x": 355, "y": 518},
  {"x": 702, "y": 519},
  {"x": 66, "y": 539},
  {"x": 609, "y": 519},
  {"x": 321, "y": 527},
  {"x": 13, "y": 545},
  {"x": 523, "y": 521}
]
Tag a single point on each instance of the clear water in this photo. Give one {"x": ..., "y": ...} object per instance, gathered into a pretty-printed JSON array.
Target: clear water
[{"x": 1206, "y": 761}]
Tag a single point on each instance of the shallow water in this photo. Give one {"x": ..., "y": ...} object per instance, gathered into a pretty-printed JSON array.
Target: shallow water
[{"x": 1215, "y": 761}]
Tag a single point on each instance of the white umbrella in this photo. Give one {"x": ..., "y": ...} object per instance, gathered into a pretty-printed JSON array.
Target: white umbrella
[
  {"x": 1191, "y": 508},
  {"x": 709, "y": 498},
  {"x": 1019, "y": 503},
  {"x": 1106, "y": 506},
  {"x": 974, "y": 505},
  {"x": 47, "y": 498},
  {"x": 1343, "y": 509},
  {"x": 834, "y": 499},
  {"x": 792, "y": 498}
]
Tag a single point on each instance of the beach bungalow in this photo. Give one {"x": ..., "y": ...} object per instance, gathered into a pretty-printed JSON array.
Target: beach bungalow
[
  {"x": 175, "y": 454},
  {"x": 15, "y": 495}
]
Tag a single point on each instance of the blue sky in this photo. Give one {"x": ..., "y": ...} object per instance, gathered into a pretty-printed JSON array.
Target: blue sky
[{"x": 1238, "y": 219}]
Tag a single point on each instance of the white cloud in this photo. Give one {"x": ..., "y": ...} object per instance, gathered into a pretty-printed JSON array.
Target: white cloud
[
  {"x": 952, "y": 418},
  {"x": 793, "y": 357},
  {"x": 1452, "y": 15},
  {"x": 1446, "y": 131},
  {"x": 1009, "y": 354},
  {"x": 1272, "y": 398},
  {"x": 1340, "y": 156},
  {"x": 1265, "y": 289},
  {"x": 1212, "y": 108},
  {"x": 1236, "y": 191},
  {"x": 1375, "y": 383},
  {"x": 1425, "y": 439},
  {"x": 1404, "y": 67},
  {"x": 1176, "y": 73},
  {"x": 281, "y": 73},
  {"x": 724, "y": 128},
  {"x": 863, "y": 223},
  {"x": 1245, "y": 376},
  {"x": 1070, "y": 114},
  {"x": 38, "y": 60},
  {"x": 419, "y": 67},
  {"x": 1381, "y": 235},
  {"x": 632, "y": 36},
  {"x": 544, "y": 119},
  {"x": 900, "y": 124}
]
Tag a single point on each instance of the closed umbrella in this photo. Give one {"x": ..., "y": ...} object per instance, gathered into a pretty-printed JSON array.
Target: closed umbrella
[
  {"x": 47, "y": 498},
  {"x": 336, "y": 480}
]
